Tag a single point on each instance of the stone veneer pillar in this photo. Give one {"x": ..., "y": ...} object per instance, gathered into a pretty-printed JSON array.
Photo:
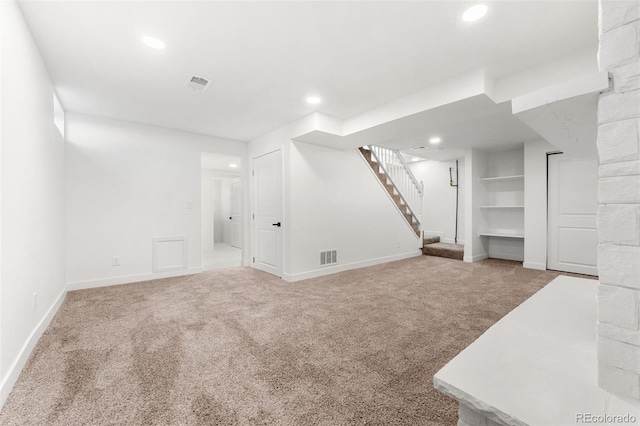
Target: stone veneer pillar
[{"x": 619, "y": 199}]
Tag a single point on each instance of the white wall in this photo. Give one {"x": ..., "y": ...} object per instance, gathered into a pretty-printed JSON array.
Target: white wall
[
  {"x": 32, "y": 188},
  {"x": 206, "y": 211},
  {"x": 568, "y": 67},
  {"x": 475, "y": 247},
  {"x": 535, "y": 203},
  {"x": 128, "y": 183},
  {"x": 439, "y": 201},
  {"x": 280, "y": 140},
  {"x": 332, "y": 200},
  {"x": 336, "y": 202}
]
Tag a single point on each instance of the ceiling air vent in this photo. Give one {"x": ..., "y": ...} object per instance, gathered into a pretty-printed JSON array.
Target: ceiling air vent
[{"x": 198, "y": 84}]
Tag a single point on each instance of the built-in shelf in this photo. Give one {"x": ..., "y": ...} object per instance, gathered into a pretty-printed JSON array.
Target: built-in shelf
[
  {"x": 501, "y": 178},
  {"x": 502, "y": 207},
  {"x": 501, "y": 234}
]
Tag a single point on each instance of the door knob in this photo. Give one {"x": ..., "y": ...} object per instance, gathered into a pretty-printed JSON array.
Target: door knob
[
  {"x": 229, "y": 217},
  {"x": 277, "y": 224}
]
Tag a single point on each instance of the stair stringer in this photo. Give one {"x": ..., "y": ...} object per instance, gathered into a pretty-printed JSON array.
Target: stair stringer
[{"x": 410, "y": 219}]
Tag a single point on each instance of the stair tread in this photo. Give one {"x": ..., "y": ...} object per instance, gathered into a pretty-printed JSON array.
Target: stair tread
[
  {"x": 451, "y": 251},
  {"x": 447, "y": 246}
]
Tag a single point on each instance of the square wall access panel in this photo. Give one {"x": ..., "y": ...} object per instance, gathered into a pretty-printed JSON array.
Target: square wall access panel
[{"x": 169, "y": 253}]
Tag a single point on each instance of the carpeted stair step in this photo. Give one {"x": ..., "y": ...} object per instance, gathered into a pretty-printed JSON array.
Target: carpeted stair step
[
  {"x": 430, "y": 239},
  {"x": 450, "y": 251}
]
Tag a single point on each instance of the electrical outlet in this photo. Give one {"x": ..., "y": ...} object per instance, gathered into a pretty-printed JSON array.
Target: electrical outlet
[
  {"x": 35, "y": 300},
  {"x": 115, "y": 261}
]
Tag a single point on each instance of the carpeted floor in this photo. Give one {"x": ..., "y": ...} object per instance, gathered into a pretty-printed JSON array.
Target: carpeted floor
[{"x": 238, "y": 346}]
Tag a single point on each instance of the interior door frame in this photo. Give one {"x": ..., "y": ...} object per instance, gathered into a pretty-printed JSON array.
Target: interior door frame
[
  {"x": 252, "y": 227},
  {"x": 548, "y": 228},
  {"x": 240, "y": 221},
  {"x": 244, "y": 176}
]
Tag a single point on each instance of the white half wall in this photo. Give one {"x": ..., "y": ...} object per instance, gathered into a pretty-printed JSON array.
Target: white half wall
[
  {"x": 535, "y": 203},
  {"x": 439, "y": 201},
  {"x": 127, "y": 184},
  {"x": 32, "y": 200}
]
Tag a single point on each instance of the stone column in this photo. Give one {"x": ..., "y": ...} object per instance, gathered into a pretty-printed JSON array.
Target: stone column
[{"x": 619, "y": 199}]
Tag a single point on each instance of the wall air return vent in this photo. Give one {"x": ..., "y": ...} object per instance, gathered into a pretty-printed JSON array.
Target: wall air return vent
[
  {"x": 328, "y": 257},
  {"x": 198, "y": 84}
]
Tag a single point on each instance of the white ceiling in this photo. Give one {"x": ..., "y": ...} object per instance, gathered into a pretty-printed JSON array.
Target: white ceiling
[
  {"x": 474, "y": 122},
  {"x": 265, "y": 57}
]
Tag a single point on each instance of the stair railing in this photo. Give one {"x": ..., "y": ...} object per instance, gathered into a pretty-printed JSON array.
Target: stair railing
[{"x": 400, "y": 176}]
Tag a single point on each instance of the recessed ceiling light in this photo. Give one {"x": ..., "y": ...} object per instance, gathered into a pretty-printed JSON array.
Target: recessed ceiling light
[
  {"x": 233, "y": 165},
  {"x": 313, "y": 100},
  {"x": 435, "y": 140},
  {"x": 415, "y": 159},
  {"x": 416, "y": 148},
  {"x": 474, "y": 13},
  {"x": 153, "y": 42}
]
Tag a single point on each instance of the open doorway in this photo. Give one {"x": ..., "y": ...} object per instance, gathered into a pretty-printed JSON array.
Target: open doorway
[{"x": 221, "y": 211}]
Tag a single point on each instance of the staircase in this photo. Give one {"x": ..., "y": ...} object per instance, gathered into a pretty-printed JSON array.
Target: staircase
[
  {"x": 433, "y": 247},
  {"x": 396, "y": 177}
]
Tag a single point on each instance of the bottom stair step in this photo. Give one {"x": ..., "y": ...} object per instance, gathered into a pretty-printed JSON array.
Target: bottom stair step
[
  {"x": 451, "y": 251},
  {"x": 430, "y": 239}
]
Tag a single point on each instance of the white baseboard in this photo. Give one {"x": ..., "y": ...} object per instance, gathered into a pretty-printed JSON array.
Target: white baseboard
[
  {"x": 533, "y": 265},
  {"x": 10, "y": 379},
  {"x": 348, "y": 266},
  {"x": 506, "y": 256},
  {"x": 471, "y": 259},
  {"x": 128, "y": 279}
]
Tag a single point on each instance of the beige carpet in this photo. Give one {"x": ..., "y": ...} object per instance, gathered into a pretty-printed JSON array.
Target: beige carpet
[{"x": 239, "y": 346}]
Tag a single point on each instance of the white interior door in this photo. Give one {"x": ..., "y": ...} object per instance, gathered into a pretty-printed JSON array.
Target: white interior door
[
  {"x": 236, "y": 223},
  {"x": 572, "y": 206},
  {"x": 267, "y": 210}
]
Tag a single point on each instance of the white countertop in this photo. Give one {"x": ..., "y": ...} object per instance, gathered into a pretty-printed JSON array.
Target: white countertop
[{"x": 538, "y": 364}]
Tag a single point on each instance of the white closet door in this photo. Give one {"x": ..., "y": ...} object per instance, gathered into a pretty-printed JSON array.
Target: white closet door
[
  {"x": 267, "y": 205},
  {"x": 572, "y": 207}
]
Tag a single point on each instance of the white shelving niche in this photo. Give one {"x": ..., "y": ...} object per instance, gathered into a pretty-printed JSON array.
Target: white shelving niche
[{"x": 502, "y": 205}]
